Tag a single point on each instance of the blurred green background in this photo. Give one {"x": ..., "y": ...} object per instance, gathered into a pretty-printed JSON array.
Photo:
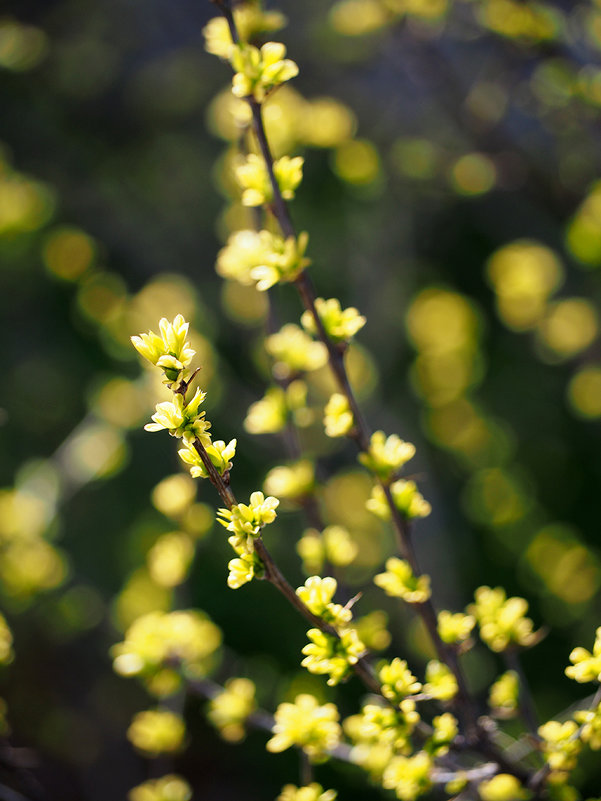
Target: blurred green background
[{"x": 449, "y": 194}]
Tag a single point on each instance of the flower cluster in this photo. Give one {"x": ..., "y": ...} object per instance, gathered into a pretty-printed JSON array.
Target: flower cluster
[
  {"x": 337, "y": 417},
  {"x": 397, "y": 680},
  {"x": 169, "y": 351},
  {"x": 502, "y": 620},
  {"x": 334, "y": 545},
  {"x": 167, "y": 788},
  {"x": 157, "y": 731},
  {"x": 406, "y": 499},
  {"x": 270, "y": 414},
  {"x": 586, "y": 666},
  {"x": 310, "y": 792},
  {"x": 340, "y": 325},
  {"x": 253, "y": 178},
  {"x": 399, "y": 581},
  {"x": 306, "y": 725},
  {"x": 454, "y": 628},
  {"x": 386, "y": 455},
  {"x": 250, "y": 21},
  {"x": 182, "y": 420},
  {"x": 504, "y": 694},
  {"x": 258, "y": 71},
  {"x": 245, "y": 521},
  {"x": 334, "y": 656},
  {"x": 230, "y": 709},
  {"x": 294, "y": 351},
  {"x": 262, "y": 259},
  {"x": 219, "y": 453},
  {"x": 292, "y": 482},
  {"x": 160, "y": 645}
]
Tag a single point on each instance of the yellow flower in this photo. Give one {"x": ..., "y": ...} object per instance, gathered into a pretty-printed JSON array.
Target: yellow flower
[
  {"x": 399, "y": 581},
  {"x": 260, "y": 71},
  {"x": 293, "y": 481},
  {"x": 317, "y": 594},
  {"x": 307, "y": 725},
  {"x": 254, "y": 180},
  {"x": 406, "y": 498},
  {"x": 504, "y": 694},
  {"x": 386, "y": 455},
  {"x": 229, "y": 710},
  {"x": 294, "y": 351},
  {"x": 157, "y": 731},
  {"x": 397, "y": 680},
  {"x": 167, "y": 788},
  {"x": 440, "y": 682},
  {"x": 260, "y": 257},
  {"x": 169, "y": 351},
  {"x": 338, "y": 418},
  {"x": 341, "y": 325},
  {"x": 182, "y": 420},
  {"x": 247, "y": 520},
  {"x": 586, "y": 666},
  {"x": 409, "y": 777},
  {"x": 311, "y": 792},
  {"x": 218, "y": 452},
  {"x": 332, "y": 655},
  {"x": 502, "y": 787},
  {"x": 502, "y": 620},
  {"x": 454, "y": 628}
]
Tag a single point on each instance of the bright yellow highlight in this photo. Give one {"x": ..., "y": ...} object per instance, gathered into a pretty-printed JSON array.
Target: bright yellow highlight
[
  {"x": 584, "y": 392},
  {"x": 229, "y": 710},
  {"x": 569, "y": 570},
  {"x": 502, "y": 787},
  {"x": 524, "y": 275},
  {"x": 167, "y": 788},
  {"x": 68, "y": 253},
  {"x": 157, "y": 731},
  {"x": 583, "y": 234},
  {"x": 357, "y": 162},
  {"x": 569, "y": 327},
  {"x": 307, "y": 725},
  {"x": 169, "y": 559}
]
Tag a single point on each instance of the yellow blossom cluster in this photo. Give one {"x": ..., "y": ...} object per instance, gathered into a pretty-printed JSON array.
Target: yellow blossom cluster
[
  {"x": 502, "y": 620},
  {"x": 230, "y": 708},
  {"x": 307, "y": 725}
]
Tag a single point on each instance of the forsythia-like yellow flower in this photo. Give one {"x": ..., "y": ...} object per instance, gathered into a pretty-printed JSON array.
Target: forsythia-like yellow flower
[
  {"x": 317, "y": 594},
  {"x": 586, "y": 666},
  {"x": 167, "y": 788},
  {"x": 409, "y": 777},
  {"x": 248, "y": 520},
  {"x": 187, "y": 638},
  {"x": 504, "y": 694},
  {"x": 229, "y": 710},
  {"x": 334, "y": 544},
  {"x": 560, "y": 746},
  {"x": 250, "y": 20},
  {"x": 332, "y": 655},
  {"x": 293, "y": 481},
  {"x": 260, "y": 71},
  {"x": 254, "y": 180},
  {"x": 181, "y": 419},
  {"x": 157, "y": 731},
  {"x": 397, "y": 680},
  {"x": 502, "y": 787},
  {"x": 311, "y": 792},
  {"x": 502, "y": 620},
  {"x": 440, "y": 682},
  {"x": 399, "y": 581},
  {"x": 307, "y": 725},
  {"x": 590, "y": 720},
  {"x": 386, "y": 455},
  {"x": 218, "y": 452},
  {"x": 454, "y": 628},
  {"x": 338, "y": 418},
  {"x": 406, "y": 498},
  {"x": 262, "y": 258},
  {"x": 294, "y": 351},
  {"x": 445, "y": 730},
  {"x": 169, "y": 351},
  {"x": 340, "y": 325}
]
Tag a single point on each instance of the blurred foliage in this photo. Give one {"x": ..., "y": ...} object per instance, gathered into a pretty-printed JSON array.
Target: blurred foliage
[{"x": 451, "y": 192}]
